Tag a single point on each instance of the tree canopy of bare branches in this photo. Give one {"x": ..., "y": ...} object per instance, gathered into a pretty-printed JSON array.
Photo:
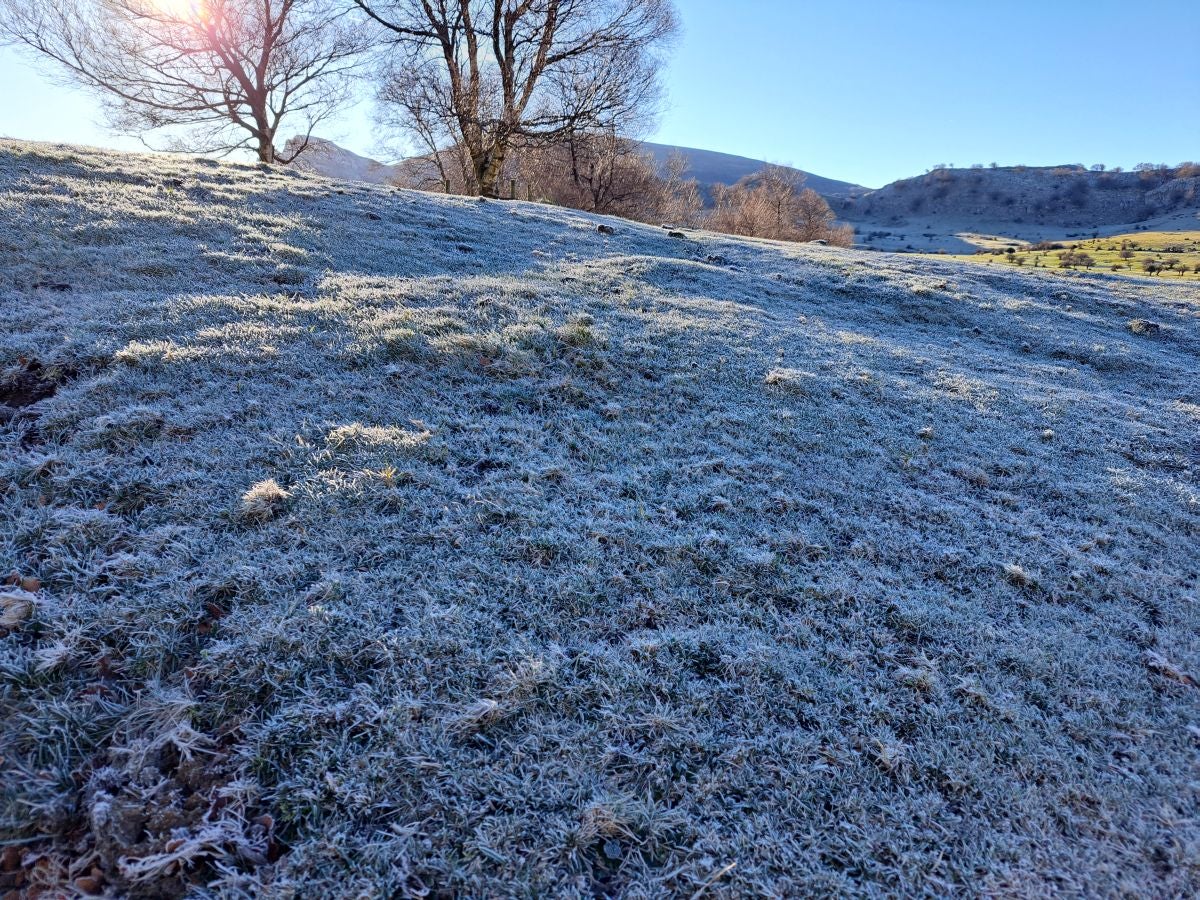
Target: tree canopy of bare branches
[
  {"x": 608, "y": 174},
  {"x": 227, "y": 73},
  {"x": 775, "y": 204},
  {"x": 470, "y": 79}
]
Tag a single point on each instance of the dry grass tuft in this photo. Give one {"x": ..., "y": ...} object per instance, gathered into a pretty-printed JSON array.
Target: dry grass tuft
[
  {"x": 16, "y": 605},
  {"x": 263, "y": 501},
  {"x": 1159, "y": 664},
  {"x": 1015, "y": 574}
]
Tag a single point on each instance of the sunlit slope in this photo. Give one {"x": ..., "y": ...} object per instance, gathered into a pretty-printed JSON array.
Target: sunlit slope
[{"x": 367, "y": 542}]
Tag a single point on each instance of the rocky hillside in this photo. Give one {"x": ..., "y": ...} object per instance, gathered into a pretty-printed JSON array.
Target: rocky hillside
[
  {"x": 1065, "y": 197},
  {"x": 362, "y": 542}
]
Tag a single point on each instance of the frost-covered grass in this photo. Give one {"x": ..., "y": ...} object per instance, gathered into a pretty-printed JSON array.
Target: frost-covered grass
[{"x": 366, "y": 542}]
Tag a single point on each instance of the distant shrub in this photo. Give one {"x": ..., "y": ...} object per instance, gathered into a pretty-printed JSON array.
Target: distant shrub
[
  {"x": 1153, "y": 173},
  {"x": 772, "y": 204},
  {"x": 1071, "y": 259},
  {"x": 1077, "y": 192}
]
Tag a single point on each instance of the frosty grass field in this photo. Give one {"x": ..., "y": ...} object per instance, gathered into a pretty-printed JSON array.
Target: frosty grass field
[{"x": 364, "y": 542}]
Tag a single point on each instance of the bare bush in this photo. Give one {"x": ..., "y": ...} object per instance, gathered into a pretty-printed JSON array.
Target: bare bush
[
  {"x": 679, "y": 196},
  {"x": 597, "y": 172},
  {"x": 774, "y": 204}
]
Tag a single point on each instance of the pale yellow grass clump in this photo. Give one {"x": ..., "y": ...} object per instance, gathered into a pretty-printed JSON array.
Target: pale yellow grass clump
[{"x": 263, "y": 501}]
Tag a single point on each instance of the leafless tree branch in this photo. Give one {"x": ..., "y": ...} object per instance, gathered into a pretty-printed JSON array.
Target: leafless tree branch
[{"x": 229, "y": 72}]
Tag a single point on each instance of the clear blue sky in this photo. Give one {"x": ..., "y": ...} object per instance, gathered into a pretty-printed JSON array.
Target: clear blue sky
[{"x": 868, "y": 91}]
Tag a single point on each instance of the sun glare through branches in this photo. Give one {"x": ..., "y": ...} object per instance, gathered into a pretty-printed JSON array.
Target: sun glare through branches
[{"x": 184, "y": 10}]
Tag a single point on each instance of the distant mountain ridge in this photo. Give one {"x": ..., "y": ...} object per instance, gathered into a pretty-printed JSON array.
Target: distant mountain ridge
[
  {"x": 323, "y": 157},
  {"x": 711, "y": 167},
  {"x": 708, "y": 167}
]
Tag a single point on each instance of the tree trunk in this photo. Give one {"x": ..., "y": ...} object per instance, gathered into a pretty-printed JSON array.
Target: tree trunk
[
  {"x": 264, "y": 134},
  {"x": 487, "y": 173},
  {"x": 266, "y": 152}
]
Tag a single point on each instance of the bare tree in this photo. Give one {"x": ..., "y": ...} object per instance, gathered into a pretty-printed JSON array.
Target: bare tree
[
  {"x": 227, "y": 72},
  {"x": 482, "y": 76},
  {"x": 815, "y": 221},
  {"x": 679, "y": 196},
  {"x": 760, "y": 205},
  {"x": 772, "y": 204},
  {"x": 599, "y": 172},
  {"x": 608, "y": 174}
]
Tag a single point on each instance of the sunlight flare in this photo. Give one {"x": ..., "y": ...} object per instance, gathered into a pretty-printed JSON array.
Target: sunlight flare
[{"x": 184, "y": 10}]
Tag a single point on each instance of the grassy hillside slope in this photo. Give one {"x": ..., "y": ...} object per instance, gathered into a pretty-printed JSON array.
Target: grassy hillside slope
[
  {"x": 368, "y": 542},
  {"x": 1150, "y": 254}
]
